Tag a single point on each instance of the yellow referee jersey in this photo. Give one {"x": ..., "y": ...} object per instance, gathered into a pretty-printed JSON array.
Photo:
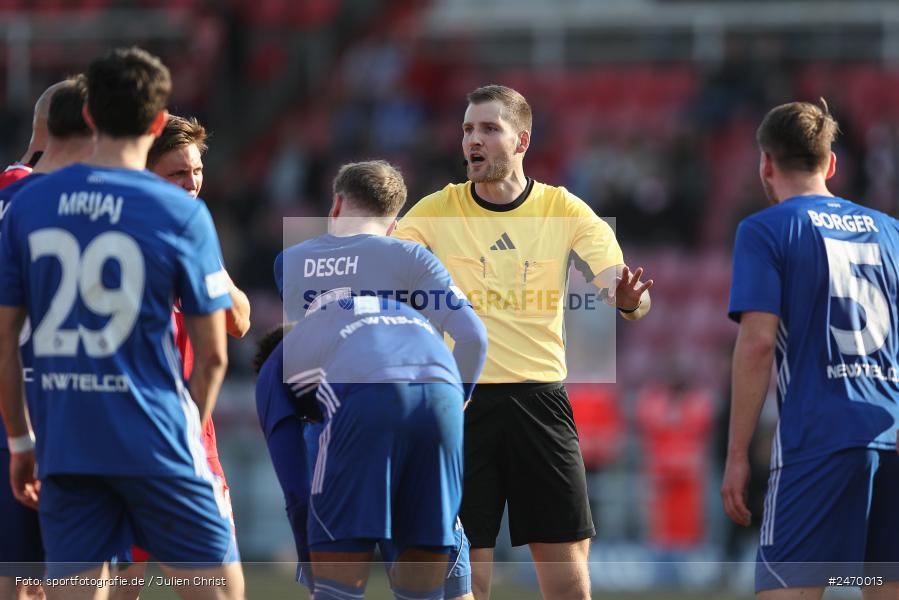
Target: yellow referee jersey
[{"x": 511, "y": 261}]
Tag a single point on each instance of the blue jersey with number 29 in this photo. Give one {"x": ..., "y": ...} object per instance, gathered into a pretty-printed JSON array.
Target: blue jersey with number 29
[
  {"x": 829, "y": 269},
  {"x": 97, "y": 256}
]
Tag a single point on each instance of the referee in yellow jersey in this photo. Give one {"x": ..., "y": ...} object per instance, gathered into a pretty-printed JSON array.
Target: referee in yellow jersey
[{"x": 507, "y": 240}]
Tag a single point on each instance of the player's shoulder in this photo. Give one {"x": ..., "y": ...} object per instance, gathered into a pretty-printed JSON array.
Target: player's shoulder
[
  {"x": 13, "y": 173},
  {"x": 880, "y": 221},
  {"x": 855, "y": 207},
  {"x": 392, "y": 244},
  {"x": 800, "y": 208},
  {"x": 26, "y": 194},
  {"x": 10, "y": 191},
  {"x": 34, "y": 181},
  {"x": 441, "y": 202},
  {"x": 301, "y": 247},
  {"x": 380, "y": 246},
  {"x": 780, "y": 213}
]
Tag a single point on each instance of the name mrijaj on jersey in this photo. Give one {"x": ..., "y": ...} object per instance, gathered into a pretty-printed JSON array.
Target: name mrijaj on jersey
[
  {"x": 862, "y": 369},
  {"x": 84, "y": 382},
  {"x": 92, "y": 204}
]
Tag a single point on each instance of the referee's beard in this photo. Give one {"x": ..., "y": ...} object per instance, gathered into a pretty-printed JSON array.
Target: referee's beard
[{"x": 495, "y": 170}]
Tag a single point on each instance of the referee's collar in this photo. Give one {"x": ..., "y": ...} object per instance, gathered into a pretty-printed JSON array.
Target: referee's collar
[{"x": 492, "y": 206}]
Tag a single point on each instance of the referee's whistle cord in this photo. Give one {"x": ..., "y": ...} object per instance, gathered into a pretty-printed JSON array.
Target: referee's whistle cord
[
  {"x": 524, "y": 278},
  {"x": 484, "y": 266}
]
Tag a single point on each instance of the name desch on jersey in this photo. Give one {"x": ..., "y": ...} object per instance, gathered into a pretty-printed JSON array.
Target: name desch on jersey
[
  {"x": 326, "y": 267},
  {"x": 309, "y": 273}
]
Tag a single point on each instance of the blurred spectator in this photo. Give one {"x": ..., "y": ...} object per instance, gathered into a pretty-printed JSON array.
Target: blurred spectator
[
  {"x": 675, "y": 422},
  {"x": 599, "y": 423}
]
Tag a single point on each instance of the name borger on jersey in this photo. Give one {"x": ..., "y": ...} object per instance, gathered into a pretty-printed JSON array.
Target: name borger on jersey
[{"x": 828, "y": 268}]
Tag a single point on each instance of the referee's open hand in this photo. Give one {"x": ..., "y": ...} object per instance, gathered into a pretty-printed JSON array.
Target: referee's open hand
[{"x": 629, "y": 288}]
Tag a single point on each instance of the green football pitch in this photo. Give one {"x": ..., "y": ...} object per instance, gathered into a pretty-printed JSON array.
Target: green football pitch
[{"x": 265, "y": 581}]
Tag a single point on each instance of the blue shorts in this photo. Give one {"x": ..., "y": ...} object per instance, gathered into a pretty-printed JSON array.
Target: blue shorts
[
  {"x": 828, "y": 517},
  {"x": 458, "y": 570},
  {"x": 86, "y": 519},
  {"x": 21, "y": 549},
  {"x": 389, "y": 466},
  {"x": 458, "y": 573}
]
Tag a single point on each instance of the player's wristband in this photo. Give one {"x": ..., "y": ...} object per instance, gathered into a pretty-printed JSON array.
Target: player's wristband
[
  {"x": 23, "y": 443},
  {"x": 632, "y": 310}
]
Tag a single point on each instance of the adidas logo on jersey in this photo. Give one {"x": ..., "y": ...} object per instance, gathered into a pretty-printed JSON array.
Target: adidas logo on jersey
[{"x": 503, "y": 243}]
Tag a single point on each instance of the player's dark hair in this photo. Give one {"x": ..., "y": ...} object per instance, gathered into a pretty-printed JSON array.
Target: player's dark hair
[
  {"x": 178, "y": 132},
  {"x": 516, "y": 108},
  {"x": 65, "y": 118},
  {"x": 126, "y": 89},
  {"x": 798, "y": 135},
  {"x": 267, "y": 344},
  {"x": 375, "y": 187}
]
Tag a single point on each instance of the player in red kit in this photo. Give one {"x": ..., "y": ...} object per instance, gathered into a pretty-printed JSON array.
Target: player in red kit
[{"x": 176, "y": 156}]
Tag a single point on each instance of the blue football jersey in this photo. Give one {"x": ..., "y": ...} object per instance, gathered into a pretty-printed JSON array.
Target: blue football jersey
[
  {"x": 97, "y": 256},
  {"x": 363, "y": 340},
  {"x": 829, "y": 269},
  {"x": 6, "y": 196},
  {"x": 366, "y": 265},
  {"x": 274, "y": 402}
]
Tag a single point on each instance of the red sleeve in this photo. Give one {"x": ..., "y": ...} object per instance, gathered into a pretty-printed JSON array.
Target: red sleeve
[
  {"x": 182, "y": 341},
  {"x": 13, "y": 174},
  {"x": 183, "y": 344}
]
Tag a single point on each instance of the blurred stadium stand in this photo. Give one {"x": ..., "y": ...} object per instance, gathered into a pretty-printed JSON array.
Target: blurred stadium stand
[{"x": 645, "y": 109}]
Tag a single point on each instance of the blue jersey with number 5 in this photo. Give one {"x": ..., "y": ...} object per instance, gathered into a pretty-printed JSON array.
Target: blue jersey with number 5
[
  {"x": 97, "y": 256},
  {"x": 829, "y": 269}
]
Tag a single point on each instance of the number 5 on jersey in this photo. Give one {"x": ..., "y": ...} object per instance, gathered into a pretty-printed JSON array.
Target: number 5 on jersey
[
  {"x": 841, "y": 255},
  {"x": 82, "y": 274}
]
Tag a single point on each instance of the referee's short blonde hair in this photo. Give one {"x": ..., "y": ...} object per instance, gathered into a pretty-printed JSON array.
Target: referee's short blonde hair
[
  {"x": 516, "y": 108},
  {"x": 375, "y": 187}
]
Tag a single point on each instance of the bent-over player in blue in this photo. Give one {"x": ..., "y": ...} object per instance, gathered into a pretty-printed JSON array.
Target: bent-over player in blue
[
  {"x": 93, "y": 254},
  {"x": 814, "y": 285},
  {"x": 283, "y": 421},
  {"x": 389, "y": 463},
  {"x": 357, "y": 257}
]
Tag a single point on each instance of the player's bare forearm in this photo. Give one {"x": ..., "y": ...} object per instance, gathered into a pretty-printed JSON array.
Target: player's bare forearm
[
  {"x": 208, "y": 338},
  {"x": 753, "y": 356},
  {"x": 238, "y": 316},
  {"x": 12, "y": 396}
]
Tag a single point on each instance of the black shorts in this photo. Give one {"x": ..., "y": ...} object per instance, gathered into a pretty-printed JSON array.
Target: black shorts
[{"x": 521, "y": 447}]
